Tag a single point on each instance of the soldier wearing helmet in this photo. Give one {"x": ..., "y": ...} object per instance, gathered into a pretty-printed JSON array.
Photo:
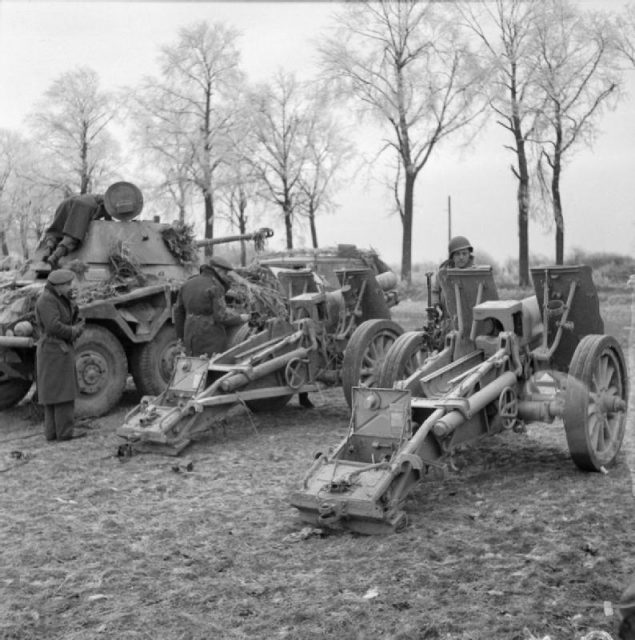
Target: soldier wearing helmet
[
  {"x": 460, "y": 256},
  {"x": 201, "y": 315}
]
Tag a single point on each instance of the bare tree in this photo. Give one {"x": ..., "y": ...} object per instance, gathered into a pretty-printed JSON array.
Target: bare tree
[
  {"x": 238, "y": 183},
  {"x": 200, "y": 78},
  {"x": 507, "y": 31},
  {"x": 281, "y": 122},
  {"x": 624, "y": 25},
  {"x": 579, "y": 75},
  {"x": 409, "y": 67},
  {"x": 25, "y": 204},
  {"x": 159, "y": 134},
  {"x": 71, "y": 122},
  {"x": 328, "y": 150},
  {"x": 10, "y": 143}
]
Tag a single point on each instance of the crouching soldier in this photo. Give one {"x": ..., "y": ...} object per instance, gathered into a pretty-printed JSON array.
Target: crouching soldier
[{"x": 70, "y": 224}]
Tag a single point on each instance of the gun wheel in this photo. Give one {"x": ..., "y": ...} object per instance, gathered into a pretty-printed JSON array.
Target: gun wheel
[
  {"x": 595, "y": 405},
  {"x": 365, "y": 354},
  {"x": 404, "y": 357}
]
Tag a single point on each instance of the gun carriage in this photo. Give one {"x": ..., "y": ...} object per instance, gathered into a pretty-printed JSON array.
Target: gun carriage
[
  {"x": 330, "y": 338},
  {"x": 508, "y": 362}
]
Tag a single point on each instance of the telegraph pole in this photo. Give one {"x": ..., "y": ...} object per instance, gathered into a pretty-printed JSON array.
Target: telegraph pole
[{"x": 449, "y": 218}]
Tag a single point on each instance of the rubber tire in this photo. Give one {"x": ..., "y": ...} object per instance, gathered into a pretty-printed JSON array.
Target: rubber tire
[
  {"x": 149, "y": 372},
  {"x": 362, "y": 350},
  {"x": 404, "y": 357},
  {"x": 12, "y": 391},
  {"x": 101, "y": 342},
  {"x": 598, "y": 361}
]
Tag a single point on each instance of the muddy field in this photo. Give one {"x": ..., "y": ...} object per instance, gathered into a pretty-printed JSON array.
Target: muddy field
[{"x": 516, "y": 543}]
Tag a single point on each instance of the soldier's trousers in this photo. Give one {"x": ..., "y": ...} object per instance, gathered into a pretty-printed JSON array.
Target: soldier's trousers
[{"x": 58, "y": 420}]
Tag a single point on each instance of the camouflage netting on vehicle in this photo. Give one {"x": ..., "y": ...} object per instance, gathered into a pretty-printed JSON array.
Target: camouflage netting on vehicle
[
  {"x": 180, "y": 240},
  {"x": 255, "y": 289}
]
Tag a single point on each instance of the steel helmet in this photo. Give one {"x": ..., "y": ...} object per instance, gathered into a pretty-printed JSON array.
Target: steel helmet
[
  {"x": 220, "y": 263},
  {"x": 458, "y": 243}
]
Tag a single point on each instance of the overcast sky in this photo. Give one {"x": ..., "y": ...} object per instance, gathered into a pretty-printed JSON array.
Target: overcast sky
[{"x": 120, "y": 40}]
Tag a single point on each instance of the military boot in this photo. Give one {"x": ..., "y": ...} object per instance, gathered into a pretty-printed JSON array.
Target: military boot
[{"x": 54, "y": 258}]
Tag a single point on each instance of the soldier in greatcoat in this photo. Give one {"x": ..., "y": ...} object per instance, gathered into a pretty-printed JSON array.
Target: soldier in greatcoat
[
  {"x": 70, "y": 224},
  {"x": 59, "y": 326},
  {"x": 201, "y": 314}
]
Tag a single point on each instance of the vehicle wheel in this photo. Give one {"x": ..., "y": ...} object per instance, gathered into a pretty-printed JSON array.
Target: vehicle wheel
[
  {"x": 12, "y": 391},
  {"x": 404, "y": 357},
  {"x": 595, "y": 404},
  {"x": 365, "y": 354},
  {"x": 152, "y": 363},
  {"x": 102, "y": 368}
]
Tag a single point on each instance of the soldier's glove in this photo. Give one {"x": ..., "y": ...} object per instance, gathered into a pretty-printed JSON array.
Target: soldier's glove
[
  {"x": 245, "y": 317},
  {"x": 77, "y": 330}
]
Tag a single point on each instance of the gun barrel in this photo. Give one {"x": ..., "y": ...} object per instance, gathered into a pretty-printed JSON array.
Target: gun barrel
[
  {"x": 476, "y": 402},
  {"x": 261, "y": 234}
]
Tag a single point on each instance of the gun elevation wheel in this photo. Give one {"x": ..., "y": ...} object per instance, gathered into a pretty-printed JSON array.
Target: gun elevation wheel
[
  {"x": 595, "y": 406},
  {"x": 102, "y": 368},
  {"x": 404, "y": 357},
  {"x": 365, "y": 354}
]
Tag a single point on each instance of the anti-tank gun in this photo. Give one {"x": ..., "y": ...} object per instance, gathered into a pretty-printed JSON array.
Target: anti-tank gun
[
  {"x": 129, "y": 271},
  {"x": 509, "y": 362},
  {"x": 329, "y": 338}
]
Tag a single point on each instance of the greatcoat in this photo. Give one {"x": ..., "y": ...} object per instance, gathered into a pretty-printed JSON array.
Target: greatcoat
[
  {"x": 74, "y": 215},
  {"x": 201, "y": 315},
  {"x": 56, "y": 377}
]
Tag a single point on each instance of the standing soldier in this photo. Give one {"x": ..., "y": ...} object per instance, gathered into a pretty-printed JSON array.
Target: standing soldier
[
  {"x": 201, "y": 315},
  {"x": 59, "y": 326},
  {"x": 460, "y": 256}
]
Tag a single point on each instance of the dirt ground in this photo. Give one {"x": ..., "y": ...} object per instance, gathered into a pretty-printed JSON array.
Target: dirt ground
[{"x": 516, "y": 544}]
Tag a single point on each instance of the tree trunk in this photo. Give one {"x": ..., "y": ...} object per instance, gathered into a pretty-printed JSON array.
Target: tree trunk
[
  {"x": 3, "y": 243},
  {"x": 209, "y": 221},
  {"x": 557, "y": 208},
  {"x": 406, "y": 245},
  {"x": 84, "y": 179},
  {"x": 242, "y": 229},
  {"x": 522, "y": 195},
  {"x": 314, "y": 240},
  {"x": 288, "y": 223}
]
